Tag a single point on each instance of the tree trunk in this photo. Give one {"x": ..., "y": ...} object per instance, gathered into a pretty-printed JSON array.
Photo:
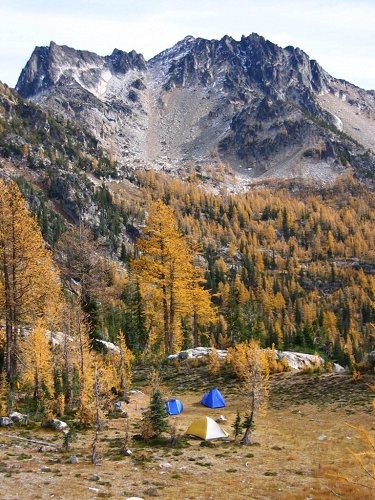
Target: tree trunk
[
  {"x": 166, "y": 319},
  {"x": 172, "y": 311},
  {"x": 14, "y": 351},
  {"x": 94, "y": 456},
  {"x": 8, "y": 317},
  {"x": 246, "y": 440},
  {"x": 195, "y": 329}
]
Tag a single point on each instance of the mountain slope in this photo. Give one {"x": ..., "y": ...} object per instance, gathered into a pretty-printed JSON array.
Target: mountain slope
[{"x": 260, "y": 109}]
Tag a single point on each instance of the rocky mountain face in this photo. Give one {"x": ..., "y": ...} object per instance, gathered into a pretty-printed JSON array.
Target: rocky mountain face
[{"x": 262, "y": 110}]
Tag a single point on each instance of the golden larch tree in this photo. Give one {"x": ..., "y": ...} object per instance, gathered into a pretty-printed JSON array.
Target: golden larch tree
[
  {"x": 37, "y": 363},
  {"x": 29, "y": 285},
  {"x": 166, "y": 272}
]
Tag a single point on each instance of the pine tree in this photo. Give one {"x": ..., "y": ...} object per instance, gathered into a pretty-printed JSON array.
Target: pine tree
[
  {"x": 158, "y": 413},
  {"x": 237, "y": 426}
]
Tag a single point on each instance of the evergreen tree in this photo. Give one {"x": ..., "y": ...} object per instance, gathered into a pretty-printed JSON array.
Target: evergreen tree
[
  {"x": 237, "y": 426},
  {"x": 158, "y": 413}
]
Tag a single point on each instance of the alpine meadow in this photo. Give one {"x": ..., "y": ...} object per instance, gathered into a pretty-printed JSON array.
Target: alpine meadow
[{"x": 187, "y": 275}]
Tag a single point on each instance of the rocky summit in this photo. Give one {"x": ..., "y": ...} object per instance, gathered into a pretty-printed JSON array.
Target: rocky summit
[{"x": 256, "y": 109}]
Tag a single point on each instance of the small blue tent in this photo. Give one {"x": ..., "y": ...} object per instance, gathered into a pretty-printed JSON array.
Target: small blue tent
[
  {"x": 174, "y": 406},
  {"x": 213, "y": 399}
]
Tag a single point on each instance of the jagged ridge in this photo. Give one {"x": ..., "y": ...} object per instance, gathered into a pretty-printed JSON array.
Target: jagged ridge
[{"x": 256, "y": 107}]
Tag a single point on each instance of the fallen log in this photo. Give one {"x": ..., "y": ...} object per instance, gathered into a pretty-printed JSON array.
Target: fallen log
[{"x": 34, "y": 441}]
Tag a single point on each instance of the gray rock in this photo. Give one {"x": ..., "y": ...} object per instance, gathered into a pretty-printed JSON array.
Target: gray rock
[
  {"x": 94, "y": 477},
  {"x": 338, "y": 368},
  {"x": 165, "y": 465},
  {"x": 94, "y": 490},
  {"x": 109, "y": 346},
  {"x": 152, "y": 492},
  {"x": 73, "y": 459},
  {"x": 58, "y": 425},
  {"x": 198, "y": 352},
  {"x": 296, "y": 360},
  {"x": 45, "y": 469},
  {"x": 322, "y": 437},
  {"x": 299, "y": 360},
  {"x": 18, "y": 418},
  {"x": 5, "y": 422}
]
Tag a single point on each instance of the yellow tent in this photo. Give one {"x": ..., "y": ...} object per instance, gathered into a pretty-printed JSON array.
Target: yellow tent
[{"x": 206, "y": 428}]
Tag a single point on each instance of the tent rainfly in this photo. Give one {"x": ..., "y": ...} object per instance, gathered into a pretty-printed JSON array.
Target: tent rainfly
[
  {"x": 174, "y": 406},
  {"x": 206, "y": 428},
  {"x": 213, "y": 399}
]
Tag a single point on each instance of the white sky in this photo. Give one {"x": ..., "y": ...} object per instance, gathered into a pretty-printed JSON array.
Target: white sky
[{"x": 340, "y": 34}]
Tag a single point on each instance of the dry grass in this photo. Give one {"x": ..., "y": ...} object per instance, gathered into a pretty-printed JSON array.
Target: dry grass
[{"x": 288, "y": 462}]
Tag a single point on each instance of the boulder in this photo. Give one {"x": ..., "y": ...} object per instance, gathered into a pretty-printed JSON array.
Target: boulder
[
  {"x": 109, "y": 346},
  {"x": 338, "y": 368},
  {"x": 73, "y": 459},
  {"x": 5, "y": 422},
  {"x": 299, "y": 360},
  {"x": 165, "y": 465},
  {"x": 198, "y": 352},
  {"x": 18, "y": 418},
  {"x": 58, "y": 425}
]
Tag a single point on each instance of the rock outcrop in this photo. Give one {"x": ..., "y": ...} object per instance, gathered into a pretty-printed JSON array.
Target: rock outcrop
[
  {"x": 258, "y": 108},
  {"x": 295, "y": 360}
]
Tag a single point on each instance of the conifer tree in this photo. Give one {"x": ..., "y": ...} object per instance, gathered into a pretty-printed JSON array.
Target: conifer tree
[
  {"x": 237, "y": 426},
  {"x": 38, "y": 366},
  {"x": 29, "y": 286},
  {"x": 123, "y": 364},
  {"x": 213, "y": 362},
  {"x": 166, "y": 271},
  {"x": 255, "y": 387},
  {"x": 4, "y": 395},
  {"x": 158, "y": 413},
  {"x": 85, "y": 367}
]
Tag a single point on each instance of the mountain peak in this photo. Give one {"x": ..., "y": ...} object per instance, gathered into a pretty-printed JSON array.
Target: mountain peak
[{"x": 249, "y": 102}]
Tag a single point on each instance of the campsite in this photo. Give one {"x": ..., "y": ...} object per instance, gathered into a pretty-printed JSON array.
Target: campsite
[{"x": 301, "y": 445}]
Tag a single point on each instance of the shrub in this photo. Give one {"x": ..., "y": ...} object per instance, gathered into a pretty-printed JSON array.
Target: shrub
[{"x": 213, "y": 362}]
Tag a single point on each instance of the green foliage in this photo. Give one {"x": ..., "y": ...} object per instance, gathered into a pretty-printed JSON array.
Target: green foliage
[
  {"x": 158, "y": 413},
  {"x": 237, "y": 425},
  {"x": 50, "y": 222}
]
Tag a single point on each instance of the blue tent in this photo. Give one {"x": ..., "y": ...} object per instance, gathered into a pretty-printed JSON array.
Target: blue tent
[
  {"x": 174, "y": 406},
  {"x": 213, "y": 399}
]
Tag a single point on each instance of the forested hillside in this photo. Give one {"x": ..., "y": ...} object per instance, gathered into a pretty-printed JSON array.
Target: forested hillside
[{"x": 110, "y": 267}]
